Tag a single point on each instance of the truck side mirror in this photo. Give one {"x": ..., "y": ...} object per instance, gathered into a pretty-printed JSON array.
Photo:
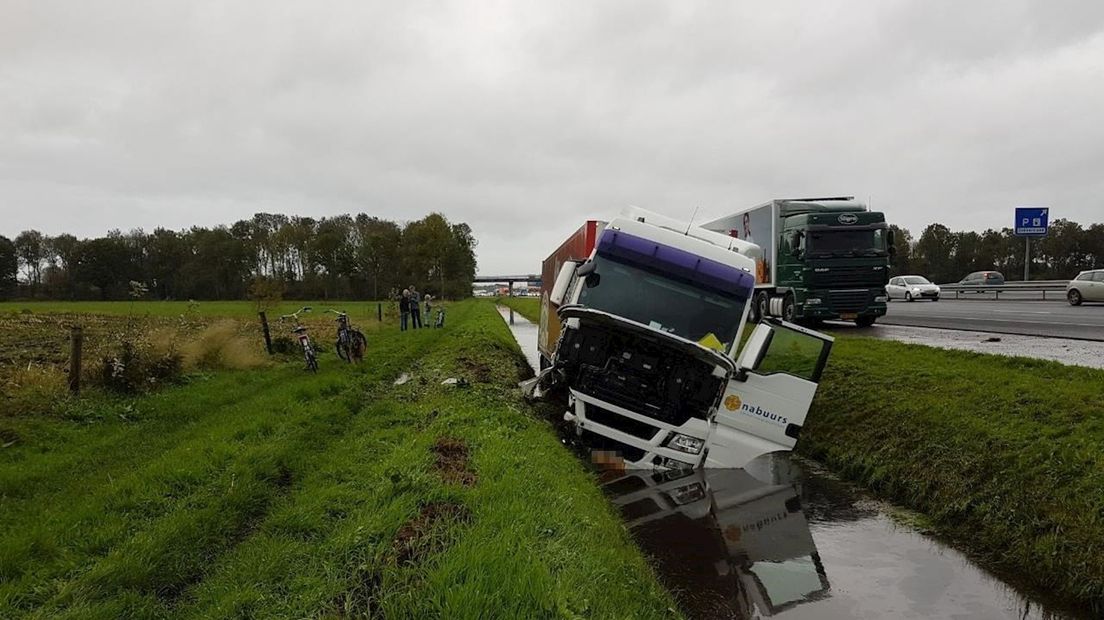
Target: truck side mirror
[
  {"x": 563, "y": 280},
  {"x": 795, "y": 243},
  {"x": 891, "y": 242}
]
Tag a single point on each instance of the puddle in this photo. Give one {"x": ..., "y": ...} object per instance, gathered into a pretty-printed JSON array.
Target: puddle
[
  {"x": 525, "y": 333},
  {"x": 777, "y": 540}
]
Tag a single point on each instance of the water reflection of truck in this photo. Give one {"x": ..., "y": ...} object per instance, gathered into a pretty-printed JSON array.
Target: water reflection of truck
[
  {"x": 641, "y": 321},
  {"x": 823, "y": 258},
  {"x": 728, "y": 544}
]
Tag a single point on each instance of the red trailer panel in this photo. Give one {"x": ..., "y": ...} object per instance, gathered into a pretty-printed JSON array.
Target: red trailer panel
[{"x": 577, "y": 247}]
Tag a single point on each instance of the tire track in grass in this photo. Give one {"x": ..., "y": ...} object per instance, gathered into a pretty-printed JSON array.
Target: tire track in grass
[
  {"x": 304, "y": 447},
  {"x": 540, "y": 539}
]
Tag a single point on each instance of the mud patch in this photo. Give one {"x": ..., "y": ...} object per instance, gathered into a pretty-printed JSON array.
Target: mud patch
[
  {"x": 453, "y": 462},
  {"x": 479, "y": 370},
  {"x": 430, "y": 532}
]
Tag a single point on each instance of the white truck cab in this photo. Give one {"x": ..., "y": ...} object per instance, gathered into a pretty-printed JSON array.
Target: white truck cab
[{"x": 649, "y": 348}]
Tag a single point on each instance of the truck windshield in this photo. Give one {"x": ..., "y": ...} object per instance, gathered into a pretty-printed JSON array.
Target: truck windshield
[
  {"x": 847, "y": 242},
  {"x": 663, "y": 302}
]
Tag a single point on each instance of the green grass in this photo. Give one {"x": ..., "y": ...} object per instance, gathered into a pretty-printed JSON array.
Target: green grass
[
  {"x": 276, "y": 493},
  {"x": 528, "y": 307},
  {"x": 1005, "y": 455}
]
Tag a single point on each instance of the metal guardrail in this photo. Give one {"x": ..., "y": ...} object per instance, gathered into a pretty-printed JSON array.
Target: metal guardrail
[{"x": 1032, "y": 286}]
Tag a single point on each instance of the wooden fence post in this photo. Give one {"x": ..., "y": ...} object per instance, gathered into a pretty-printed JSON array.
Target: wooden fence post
[
  {"x": 379, "y": 311},
  {"x": 264, "y": 329},
  {"x": 77, "y": 340}
]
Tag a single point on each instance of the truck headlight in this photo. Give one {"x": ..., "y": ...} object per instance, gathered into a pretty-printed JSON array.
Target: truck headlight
[
  {"x": 880, "y": 299},
  {"x": 686, "y": 443},
  {"x": 687, "y": 494},
  {"x": 812, "y": 301}
]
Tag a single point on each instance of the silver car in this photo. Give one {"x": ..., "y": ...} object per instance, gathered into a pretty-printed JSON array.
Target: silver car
[
  {"x": 911, "y": 288},
  {"x": 1087, "y": 286}
]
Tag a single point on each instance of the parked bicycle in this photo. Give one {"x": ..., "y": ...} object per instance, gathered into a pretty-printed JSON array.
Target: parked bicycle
[
  {"x": 300, "y": 332},
  {"x": 351, "y": 342}
]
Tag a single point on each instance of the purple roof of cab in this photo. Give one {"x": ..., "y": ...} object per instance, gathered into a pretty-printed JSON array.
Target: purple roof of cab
[{"x": 680, "y": 263}]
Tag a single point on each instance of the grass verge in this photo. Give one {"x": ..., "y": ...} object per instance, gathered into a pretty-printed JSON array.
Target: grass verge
[
  {"x": 276, "y": 493},
  {"x": 1003, "y": 454}
]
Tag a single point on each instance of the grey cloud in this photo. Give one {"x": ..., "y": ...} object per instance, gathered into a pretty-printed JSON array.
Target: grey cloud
[{"x": 523, "y": 119}]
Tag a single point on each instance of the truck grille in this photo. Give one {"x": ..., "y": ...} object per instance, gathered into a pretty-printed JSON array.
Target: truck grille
[
  {"x": 848, "y": 301},
  {"x": 622, "y": 423},
  {"x": 852, "y": 277}
]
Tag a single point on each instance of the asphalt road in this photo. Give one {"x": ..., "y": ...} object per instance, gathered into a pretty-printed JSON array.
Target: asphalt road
[{"x": 1055, "y": 319}]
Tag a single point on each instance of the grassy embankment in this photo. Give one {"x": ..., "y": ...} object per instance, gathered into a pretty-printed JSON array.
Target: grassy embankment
[
  {"x": 528, "y": 307},
  {"x": 1004, "y": 455},
  {"x": 276, "y": 493}
]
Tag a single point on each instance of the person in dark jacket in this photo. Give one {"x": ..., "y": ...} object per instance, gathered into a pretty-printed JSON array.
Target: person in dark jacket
[{"x": 415, "y": 308}]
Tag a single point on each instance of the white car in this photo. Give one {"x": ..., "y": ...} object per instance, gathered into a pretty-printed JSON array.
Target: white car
[
  {"x": 1087, "y": 286},
  {"x": 911, "y": 288}
]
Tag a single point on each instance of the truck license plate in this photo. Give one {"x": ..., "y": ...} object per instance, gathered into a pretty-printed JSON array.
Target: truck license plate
[{"x": 848, "y": 315}]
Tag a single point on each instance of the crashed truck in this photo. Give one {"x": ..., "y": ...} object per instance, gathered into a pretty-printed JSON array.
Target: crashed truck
[{"x": 640, "y": 328}]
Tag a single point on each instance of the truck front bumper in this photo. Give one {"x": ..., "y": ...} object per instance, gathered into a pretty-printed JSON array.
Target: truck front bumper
[
  {"x": 841, "y": 304},
  {"x": 641, "y": 441}
]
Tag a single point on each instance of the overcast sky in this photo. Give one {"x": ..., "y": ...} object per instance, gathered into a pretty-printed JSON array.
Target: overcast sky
[{"x": 524, "y": 118}]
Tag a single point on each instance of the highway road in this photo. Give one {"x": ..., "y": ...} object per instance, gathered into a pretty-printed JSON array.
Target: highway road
[{"x": 1055, "y": 319}]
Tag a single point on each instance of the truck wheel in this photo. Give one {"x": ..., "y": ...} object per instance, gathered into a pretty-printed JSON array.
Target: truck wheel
[
  {"x": 788, "y": 309},
  {"x": 865, "y": 321},
  {"x": 759, "y": 307}
]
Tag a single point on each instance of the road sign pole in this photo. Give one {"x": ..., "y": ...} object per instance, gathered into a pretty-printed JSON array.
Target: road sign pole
[{"x": 1027, "y": 258}]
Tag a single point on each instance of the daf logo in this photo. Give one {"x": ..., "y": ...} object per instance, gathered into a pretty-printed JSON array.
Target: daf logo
[{"x": 848, "y": 218}]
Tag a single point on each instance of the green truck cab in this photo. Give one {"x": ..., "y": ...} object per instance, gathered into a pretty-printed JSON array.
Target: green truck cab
[{"x": 823, "y": 258}]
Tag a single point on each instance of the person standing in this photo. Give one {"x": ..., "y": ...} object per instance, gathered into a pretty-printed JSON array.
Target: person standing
[
  {"x": 429, "y": 308},
  {"x": 415, "y": 308},
  {"x": 404, "y": 309}
]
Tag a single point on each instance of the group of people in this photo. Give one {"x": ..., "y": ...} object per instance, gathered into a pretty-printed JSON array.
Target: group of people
[{"x": 410, "y": 310}]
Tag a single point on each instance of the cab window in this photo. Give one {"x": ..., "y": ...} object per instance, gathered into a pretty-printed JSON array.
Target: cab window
[{"x": 792, "y": 352}]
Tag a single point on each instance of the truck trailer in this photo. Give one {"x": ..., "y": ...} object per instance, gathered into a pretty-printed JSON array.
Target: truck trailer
[
  {"x": 823, "y": 258},
  {"x": 641, "y": 323}
]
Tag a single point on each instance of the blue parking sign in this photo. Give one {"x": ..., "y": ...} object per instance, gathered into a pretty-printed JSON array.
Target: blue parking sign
[{"x": 1032, "y": 221}]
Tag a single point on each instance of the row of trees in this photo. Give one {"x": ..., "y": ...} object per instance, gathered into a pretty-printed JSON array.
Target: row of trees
[
  {"x": 349, "y": 257},
  {"x": 945, "y": 256}
]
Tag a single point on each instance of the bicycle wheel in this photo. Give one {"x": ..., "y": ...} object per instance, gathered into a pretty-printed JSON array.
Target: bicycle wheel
[
  {"x": 342, "y": 349},
  {"x": 312, "y": 361}
]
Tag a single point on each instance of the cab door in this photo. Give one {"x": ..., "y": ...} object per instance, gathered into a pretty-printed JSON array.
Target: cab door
[{"x": 766, "y": 401}]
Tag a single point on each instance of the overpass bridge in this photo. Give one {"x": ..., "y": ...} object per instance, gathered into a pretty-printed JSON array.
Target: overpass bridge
[{"x": 532, "y": 278}]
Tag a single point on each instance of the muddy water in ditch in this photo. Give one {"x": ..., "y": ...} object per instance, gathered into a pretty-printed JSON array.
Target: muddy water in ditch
[{"x": 779, "y": 539}]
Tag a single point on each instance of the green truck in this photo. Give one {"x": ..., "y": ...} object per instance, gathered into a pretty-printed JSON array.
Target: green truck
[{"x": 823, "y": 258}]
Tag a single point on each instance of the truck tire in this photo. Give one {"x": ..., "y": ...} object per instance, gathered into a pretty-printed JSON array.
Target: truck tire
[
  {"x": 788, "y": 308},
  {"x": 865, "y": 321},
  {"x": 759, "y": 306}
]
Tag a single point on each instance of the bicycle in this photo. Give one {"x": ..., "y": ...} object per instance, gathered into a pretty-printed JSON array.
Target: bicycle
[
  {"x": 351, "y": 342},
  {"x": 300, "y": 332}
]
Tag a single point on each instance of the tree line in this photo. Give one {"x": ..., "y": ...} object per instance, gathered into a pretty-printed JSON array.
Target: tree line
[
  {"x": 341, "y": 257},
  {"x": 944, "y": 256}
]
